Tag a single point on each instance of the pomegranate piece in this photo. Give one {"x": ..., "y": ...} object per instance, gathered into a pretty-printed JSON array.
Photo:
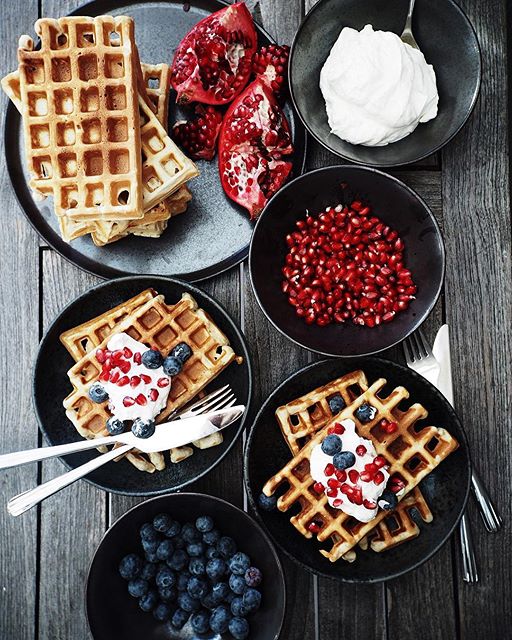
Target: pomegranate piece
[
  {"x": 378, "y": 478},
  {"x": 137, "y": 357},
  {"x": 153, "y": 395},
  {"x": 101, "y": 355},
  {"x": 337, "y": 503},
  {"x": 340, "y": 474},
  {"x": 128, "y": 401},
  {"x": 198, "y": 137},
  {"x": 141, "y": 399},
  {"x": 127, "y": 352},
  {"x": 134, "y": 381},
  {"x": 123, "y": 381},
  {"x": 361, "y": 450},
  {"x": 369, "y": 504},
  {"x": 314, "y": 527},
  {"x": 145, "y": 378},
  {"x": 356, "y": 496},
  {"x": 329, "y": 469},
  {"x": 114, "y": 376},
  {"x": 270, "y": 64},
  {"x": 213, "y": 62},
  {"x": 338, "y": 428},
  {"x": 125, "y": 366},
  {"x": 353, "y": 476},
  {"x": 332, "y": 483},
  {"x": 254, "y": 137},
  {"x": 162, "y": 382},
  {"x": 332, "y": 493},
  {"x": 318, "y": 487}
]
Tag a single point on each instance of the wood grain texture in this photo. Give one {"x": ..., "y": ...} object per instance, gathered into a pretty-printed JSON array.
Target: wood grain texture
[{"x": 476, "y": 201}]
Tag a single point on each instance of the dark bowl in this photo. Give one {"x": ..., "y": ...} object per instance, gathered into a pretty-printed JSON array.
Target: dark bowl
[
  {"x": 446, "y": 489},
  {"x": 445, "y": 36},
  {"x": 392, "y": 201},
  {"x": 113, "y": 613},
  {"x": 50, "y": 390}
]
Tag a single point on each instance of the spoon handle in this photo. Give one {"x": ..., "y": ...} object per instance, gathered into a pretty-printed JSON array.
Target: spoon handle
[{"x": 408, "y": 22}]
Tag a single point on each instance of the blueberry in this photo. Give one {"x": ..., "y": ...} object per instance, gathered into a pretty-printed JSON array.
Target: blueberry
[
  {"x": 162, "y": 522},
  {"x": 200, "y": 622},
  {"x": 130, "y": 566},
  {"x": 230, "y": 597},
  {"x": 151, "y": 557},
  {"x": 253, "y": 577},
  {"x": 239, "y": 628},
  {"x": 215, "y": 569},
  {"x": 148, "y": 601},
  {"x": 336, "y": 404},
  {"x": 148, "y": 571},
  {"x": 237, "y": 584},
  {"x": 189, "y": 533},
  {"x": 252, "y": 600},
  {"x": 219, "y": 619},
  {"x": 239, "y": 563},
  {"x": 197, "y": 587},
  {"x": 365, "y": 413},
  {"x": 143, "y": 428},
  {"x": 173, "y": 529},
  {"x": 150, "y": 546},
  {"x": 165, "y": 550},
  {"x": 187, "y": 603},
  {"x": 388, "y": 500},
  {"x": 179, "y": 619},
  {"x": 97, "y": 392},
  {"x": 331, "y": 444},
  {"x": 211, "y": 537},
  {"x": 209, "y": 602},
  {"x": 197, "y": 567},
  {"x": 211, "y": 552},
  {"x": 165, "y": 578},
  {"x": 167, "y": 594},
  {"x": 195, "y": 549},
  {"x": 238, "y": 608},
  {"x": 138, "y": 587},
  {"x": 267, "y": 503},
  {"x": 204, "y": 524},
  {"x": 178, "y": 560},
  {"x": 182, "y": 352},
  {"x": 226, "y": 547},
  {"x": 115, "y": 426},
  {"x": 220, "y": 591},
  {"x": 152, "y": 359},
  {"x": 147, "y": 532},
  {"x": 183, "y": 579},
  {"x": 172, "y": 366},
  {"x": 344, "y": 460},
  {"x": 162, "y": 612}
]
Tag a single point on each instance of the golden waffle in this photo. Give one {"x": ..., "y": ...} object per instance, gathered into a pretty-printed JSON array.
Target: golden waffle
[
  {"x": 80, "y": 116},
  {"x": 300, "y": 419},
  {"x": 411, "y": 453},
  {"x": 157, "y": 80},
  {"x": 156, "y": 324}
]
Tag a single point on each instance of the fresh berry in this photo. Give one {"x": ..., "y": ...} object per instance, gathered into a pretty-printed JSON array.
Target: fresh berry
[
  {"x": 331, "y": 445},
  {"x": 134, "y": 381},
  {"x": 183, "y": 578},
  {"x": 252, "y": 600},
  {"x": 148, "y": 601},
  {"x": 165, "y": 550},
  {"x": 178, "y": 560},
  {"x": 237, "y": 607},
  {"x": 369, "y": 504},
  {"x": 388, "y": 500},
  {"x": 200, "y": 622},
  {"x": 195, "y": 549},
  {"x": 152, "y": 359},
  {"x": 137, "y": 357},
  {"x": 190, "y": 533},
  {"x": 239, "y": 628},
  {"x": 179, "y": 618},
  {"x": 162, "y": 522},
  {"x": 167, "y": 594},
  {"x": 143, "y": 429},
  {"x": 148, "y": 571},
  {"x": 336, "y": 404},
  {"x": 239, "y": 563},
  {"x": 318, "y": 487},
  {"x": 211, "y": 537},
  {"x": 314, "y": 526},
  {"x": 387, "y": 426},
  {"x": 237, "y": 584},
  {"x": 226, "y": 547},
  {"x": 271, "y": 64},
  {"x": 138, "y": 587},
  {"x": 353, "y": 476},
  {"x": 163, "y": 382},
  {"x": 253, "y": 577},
  {"x": 123, "y": 381},
  {"x": 182, "y": 352},
  {"x": 365, "y": 413},
  {"x": 187, "y": 603},
  {"x": 97, "y": 393},
  {"x": 150, "y": 546},
  {"x": 211, "y": 552},
  {"x": 198, "y": 136},
  {"x": 220, "y": 591},
  {"x": 215, "y": 569},
  {"x": 197, "y": 567},
  {"x": 267, "y": 503},
  {"x": 130, "y": 566},
  {"x": 197, "y": 587},
  {"x": 344, "y": 460},
  {"x": 128, "y": 401},
  {"x": 378, "y": 478},
  {"x": 162, "y": 612},
  {"x": 329, "y": 469},
  {"x": 101, "y": 355},
  {"x": 147, "y": 532},
  {"x": 219, "y": 619},
  {"x": 204, "y": 524},
  {"x": 340, "y": 474},
  {"x": 379, "y": 461},
  {"x": 115, "y": 426},
  {"x": 360, "y": 450},
  {"x": 172, "y": 366},
  {"x": 141, "y": 400},
  {"x": 165, "y": 577}
]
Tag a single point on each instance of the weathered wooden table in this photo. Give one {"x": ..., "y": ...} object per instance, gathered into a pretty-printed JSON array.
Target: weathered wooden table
[{"x": 44, "y": 554}]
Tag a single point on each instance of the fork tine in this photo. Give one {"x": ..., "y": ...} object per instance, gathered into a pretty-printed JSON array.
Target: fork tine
[
  {"x": 407, "y": 351},
  {"x": 424, "y": 342},
  {"x": 225, "y": 404},
  {"x": 216, "y": 403},
  {"x": 211, "y": 396}
]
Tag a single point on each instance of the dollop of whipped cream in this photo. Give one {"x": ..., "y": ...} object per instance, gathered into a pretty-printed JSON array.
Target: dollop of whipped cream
[
  {"x": 134, "y": 391},
  {"x": 376, "y": 88},
  {"x": 352, "y": 495}
]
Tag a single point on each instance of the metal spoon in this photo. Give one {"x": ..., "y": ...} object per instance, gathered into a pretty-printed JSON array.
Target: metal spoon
[{"x": 407, "y": 36}]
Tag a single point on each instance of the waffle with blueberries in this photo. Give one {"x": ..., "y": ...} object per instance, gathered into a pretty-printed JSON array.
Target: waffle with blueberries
[{"x": 408, "y": 450}]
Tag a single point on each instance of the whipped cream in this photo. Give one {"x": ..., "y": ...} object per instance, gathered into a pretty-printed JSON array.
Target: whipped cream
[
  {"x": 376, "y": 88},
  {"x": 146, "y": 392},
  {"x": 370, "y": 490}
]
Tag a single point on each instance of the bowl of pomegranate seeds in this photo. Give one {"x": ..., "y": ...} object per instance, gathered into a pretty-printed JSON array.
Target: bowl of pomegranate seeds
[{"x": 346, "y": 261}]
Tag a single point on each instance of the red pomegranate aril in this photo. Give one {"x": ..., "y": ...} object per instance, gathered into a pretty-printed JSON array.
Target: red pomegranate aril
[
  {"x": 123, "y": 381},
  {"x": 390, "y": 427},
  {"x": 114, "y": 376},
  {"x": 332, "y": 493},
  {"x": 361, "y": 450},
  {"x": 337, "y": 502},
  {"x": 353, "y": 476},
  {"x": 329, "y": 469},
  {"x": 365, "y": 476},
  {"x": 340, "y": 474},
  {"x": 141, "y": 399},
  {"x": 128, "y": 353},
  {"x": 128, "y": 401},
  {"x": 125, "y": 366},
  {"x": 338, "y": 428},
  {"x": 101, "y": 355},
  {"x": 378, "y": 478},
  {"x": 145, "y": 378},
  {"x": 318, "y": 487},
  {"x": 332, "y": 483},
  {"x": 369, "y": 504},
  {"x": 134, "y": 381},
  {"x": 346, "y": 489},
  {"x": 357, "y": 496},
  {"x": 153, "y": 395},
  {"x": 104, "y": 376},
  {"x": 371, "y": 468},
  {"x": 314, "y": 527},
  {"x": 162, "y": 382},
  {"x": 379, "y": 461}
]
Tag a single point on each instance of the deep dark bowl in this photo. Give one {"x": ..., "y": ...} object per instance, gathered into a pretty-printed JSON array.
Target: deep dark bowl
[
  {"x": 445, "y": 36},
  {"x": 446, "y": 489},
  {"x": 392, "y": 201},
  {"x": 50, "y": 390},
  {"x": 113, "y": 613}
]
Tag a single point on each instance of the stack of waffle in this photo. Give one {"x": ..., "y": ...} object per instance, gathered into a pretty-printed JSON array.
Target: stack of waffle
[
  {"x": 147, "y": 318},
  {"x": 411, "y": 452},
  {"x": 94, "y": 122}
]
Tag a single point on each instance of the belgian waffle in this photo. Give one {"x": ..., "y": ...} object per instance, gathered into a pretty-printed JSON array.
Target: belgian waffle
[
  {"x": 300, "y": 419},
  {"x": 157, "y": 80},
  {"x": 412, "y": 452},
  {"x": 155, "y": 323}
]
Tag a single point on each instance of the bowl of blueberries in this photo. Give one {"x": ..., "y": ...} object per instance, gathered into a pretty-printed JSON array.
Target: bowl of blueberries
[{"x": 185, "y": 566}]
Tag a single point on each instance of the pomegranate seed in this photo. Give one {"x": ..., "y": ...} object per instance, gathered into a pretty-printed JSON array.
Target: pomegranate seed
[
  {"x": 314, "y": 527},
  {"x": 379, "y": 461},
  {"x": 332, "y": 493},
  {"x": 137, "y": 357},
  {"x": 125, "y": 366},
  {"x": 329, "y": 469},
  {"x": 378, "y": 478},
  {"x": 123, "y": 381},
  {"x": 338, "y": 428},
  {"x": 333, "y": 484},
  {"x": 369, "y": 504},
  {"x": 128, "y": 353},
  {"x": 337, "y": 503},
  {"x": 128, "y": 401},
  {"x": 365, "y": 476},
  {"x": 353, "y": 476},
  {"x": 101, "y": 355},
  {"x": 318, "y": 487},
  {"x": 141, "y": 399},
  {"x": 361, "y": 450},
  {"x": 134, "y": 381},
  {"x": 114, "y": 376},
  {"x": 153, "y": 395},
  {"x": 340, "y": 474},
  {"x": 357, "y": 496},
  {"x": 145, "y": 378},
  {"x": 390, "y": 427},
  {"x": 162, "y": 382},
  {"x": 371, "y": 468},
  {"x": 104, "y": 376},
  {"x": 346, "y": 489}
]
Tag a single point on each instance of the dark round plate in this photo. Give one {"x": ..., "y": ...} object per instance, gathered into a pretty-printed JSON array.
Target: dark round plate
[
  {"x": 392, "y": 201},
  {"x": 214, "y": 234},
  {"x": 50, "y": 390},
  {"x": 444, "y": 34},
  {"x": 113, "y": 613},
  {"x": 446, "y": 489}
]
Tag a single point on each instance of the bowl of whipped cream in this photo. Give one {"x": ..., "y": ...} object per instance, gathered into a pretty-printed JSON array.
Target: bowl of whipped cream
[{"x": 373, "y": 99}]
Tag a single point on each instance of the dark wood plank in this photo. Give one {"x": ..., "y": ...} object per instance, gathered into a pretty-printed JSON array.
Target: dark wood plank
[
  {"x": 476, "y": 200},
  {"x": 19, "y": 330},
  {"x": 72, "y": 521}
]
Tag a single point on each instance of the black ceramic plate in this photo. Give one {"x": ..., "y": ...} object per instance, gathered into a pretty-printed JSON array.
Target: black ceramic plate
[
  {"x": 51, "y": 386},
  {"x": 392, "y": 201},
  {"x": 214, "y": 233},
  {"x": 113, "y": 613},
  {"x": 446, "y": 489},
  {"x": 445, "y": 36}
]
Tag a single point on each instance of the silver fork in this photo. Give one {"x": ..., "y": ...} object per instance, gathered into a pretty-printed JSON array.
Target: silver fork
[
  {"x": 420, "y": 358},
  {"x": 222, "y": 398}
]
